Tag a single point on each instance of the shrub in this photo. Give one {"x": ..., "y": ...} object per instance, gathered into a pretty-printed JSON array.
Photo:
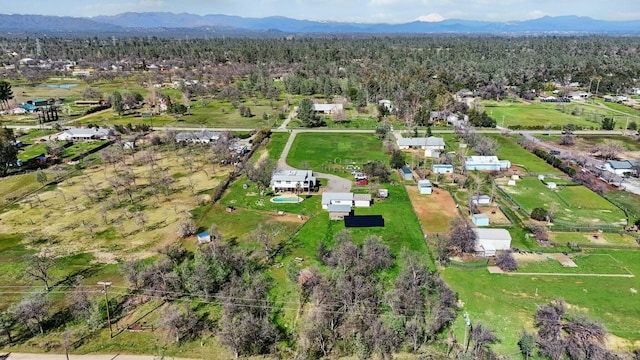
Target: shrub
[
  {"x": 506, "y": 261},
  {"x": 539, "y": 214},
  {"x": 187, "y": 228}
]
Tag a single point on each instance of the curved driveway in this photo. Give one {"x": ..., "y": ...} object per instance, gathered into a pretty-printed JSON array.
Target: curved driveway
[{"x": 334, "y": 184}]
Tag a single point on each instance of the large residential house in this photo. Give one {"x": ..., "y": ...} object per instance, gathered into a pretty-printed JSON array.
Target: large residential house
[
  {"x": 486, "y": 163},
  {"x": 430, "y": 143},
  {"x": 327, "y": 108},
  {"x": 94, "y": 133},
  {"x": 620, "y": 167},
  {"x": 203, "y": 137},
  {"x": 293, "y": 180}
]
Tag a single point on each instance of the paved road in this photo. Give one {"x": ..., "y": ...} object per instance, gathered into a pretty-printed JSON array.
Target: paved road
[
  {"x": 334, "y": 183},
  {"x": 25, "y": 356}
]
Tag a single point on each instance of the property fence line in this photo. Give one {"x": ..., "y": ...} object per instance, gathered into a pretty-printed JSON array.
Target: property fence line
[{"x": 600, "y": 246}]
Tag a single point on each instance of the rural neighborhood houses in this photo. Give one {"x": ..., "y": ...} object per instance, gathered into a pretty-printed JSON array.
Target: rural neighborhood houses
[
  {"x": 293, "y": 180},
  {"x": 491, "y": 240},
  {"x": 94, "y": 133},
  {"x": 334, "y": 198}
]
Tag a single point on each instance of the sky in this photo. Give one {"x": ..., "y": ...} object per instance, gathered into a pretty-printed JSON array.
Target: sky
[{"x": 362, "y": 11}]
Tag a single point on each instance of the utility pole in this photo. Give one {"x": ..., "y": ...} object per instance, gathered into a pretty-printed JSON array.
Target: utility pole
[
  {"x": 105, "y": 286},
  {"x": 467, "y": 322}
]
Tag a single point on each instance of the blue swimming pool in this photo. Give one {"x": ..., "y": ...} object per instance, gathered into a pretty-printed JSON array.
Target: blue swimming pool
[{"x": 286, "y": 200}]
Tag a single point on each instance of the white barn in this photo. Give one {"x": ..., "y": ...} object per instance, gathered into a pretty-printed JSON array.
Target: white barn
[
  {"x": 491, "y": 240},
  {"x": 362, "y": 200}
]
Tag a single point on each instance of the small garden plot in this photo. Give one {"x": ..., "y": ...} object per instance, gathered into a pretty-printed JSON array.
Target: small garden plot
[
  {"x": 496, "y": 216},
  {"x": 574, "y": 205}
]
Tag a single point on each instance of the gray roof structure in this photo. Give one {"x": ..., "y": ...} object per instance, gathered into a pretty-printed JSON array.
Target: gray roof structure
[
  {"x": 88, "y": 132},
  {"x": 430, "y": 141},
  {"x": 293, "y": 175},
  {"x": 424, "y": 183},
  {"x": 328, "y": 197},
  {"x": 620, "y": 165},
  {"x": 493, "y": 234},
  {"x": 362, "y": 197},
  {"x": 339, "y": 208},
  {"x": 199, "y": 136},
  {"x": 327, "y": 107},
  {"x": 480, "y": 216}
]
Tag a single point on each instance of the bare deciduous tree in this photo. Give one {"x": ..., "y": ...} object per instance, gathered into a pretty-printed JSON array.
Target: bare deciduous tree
[
  {"x": 32, "y": 311},
  {"x": 38, "y": 266}
]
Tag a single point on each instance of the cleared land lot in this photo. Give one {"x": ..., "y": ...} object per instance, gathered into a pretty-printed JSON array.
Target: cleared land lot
[
  {"x": 575, "y": 205},
  {"x": 435, "y": 211}
]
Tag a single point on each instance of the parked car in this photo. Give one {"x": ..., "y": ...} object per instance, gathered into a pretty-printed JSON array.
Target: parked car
[
  {"x": 554, "y": 152},
  {"x": 362, "y": 182}
]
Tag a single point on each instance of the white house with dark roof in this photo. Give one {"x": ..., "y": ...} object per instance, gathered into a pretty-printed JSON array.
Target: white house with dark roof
[
  {"x": 94, "y": 133},
  {"x": 292, "y": 180},
  {"x": 619, "y": 167},
  {"x": 203, "y": 137},
  {"x": 488, "y": 241}
]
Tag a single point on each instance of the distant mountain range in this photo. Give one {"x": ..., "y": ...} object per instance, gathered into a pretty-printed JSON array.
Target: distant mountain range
[{"x": 167, "y": 24}]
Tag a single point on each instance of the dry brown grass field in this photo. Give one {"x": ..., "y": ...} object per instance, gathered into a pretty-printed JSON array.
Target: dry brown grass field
[{"x": 85, "y": 213}]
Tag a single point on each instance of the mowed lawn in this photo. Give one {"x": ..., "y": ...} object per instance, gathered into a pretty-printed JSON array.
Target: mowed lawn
[
  {"x": 508, "y": 149},
  {"x": 318, "y": 149},
  {"x": 537, "y": 114},
  {"x": 574, "y": 204},
  {"x": 507, "y": 304}
]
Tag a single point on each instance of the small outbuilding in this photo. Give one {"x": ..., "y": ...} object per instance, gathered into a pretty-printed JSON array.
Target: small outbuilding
[
  {"x": 480, "y": 219},
  {"x": 383, "y": 193},
  {"x": 480, "y": 199},
  {"x": 204, "y": 237},
  {"x": 406, "y": 173},
  {"x": 552, "y": 185},
  {"x": 442, "y": 168},
  {"x": 424, "y": 187},
  {"x": 362, "y": 200}
]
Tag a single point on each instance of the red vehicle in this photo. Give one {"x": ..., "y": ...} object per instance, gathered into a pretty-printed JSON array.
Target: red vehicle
[{"x": 362, "y": 182}]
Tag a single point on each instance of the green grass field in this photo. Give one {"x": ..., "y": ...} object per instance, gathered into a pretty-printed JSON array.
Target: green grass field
[
  {"x": 16, "y": 186},
  {"x": 574, "y": 204},
  {"x": 628, "y": 200},
  {"x": 586, "y": 239},
  {"x": 586, "y": 264},
  {"x": 324, "y": 150},
  {"x": 555, "y": 115},
  {"x": 508, "y": 149},
  {"x": 276, "y": 144},
  {"x": 523, "y": 114},
  {"x": 506, "y": 304}
]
